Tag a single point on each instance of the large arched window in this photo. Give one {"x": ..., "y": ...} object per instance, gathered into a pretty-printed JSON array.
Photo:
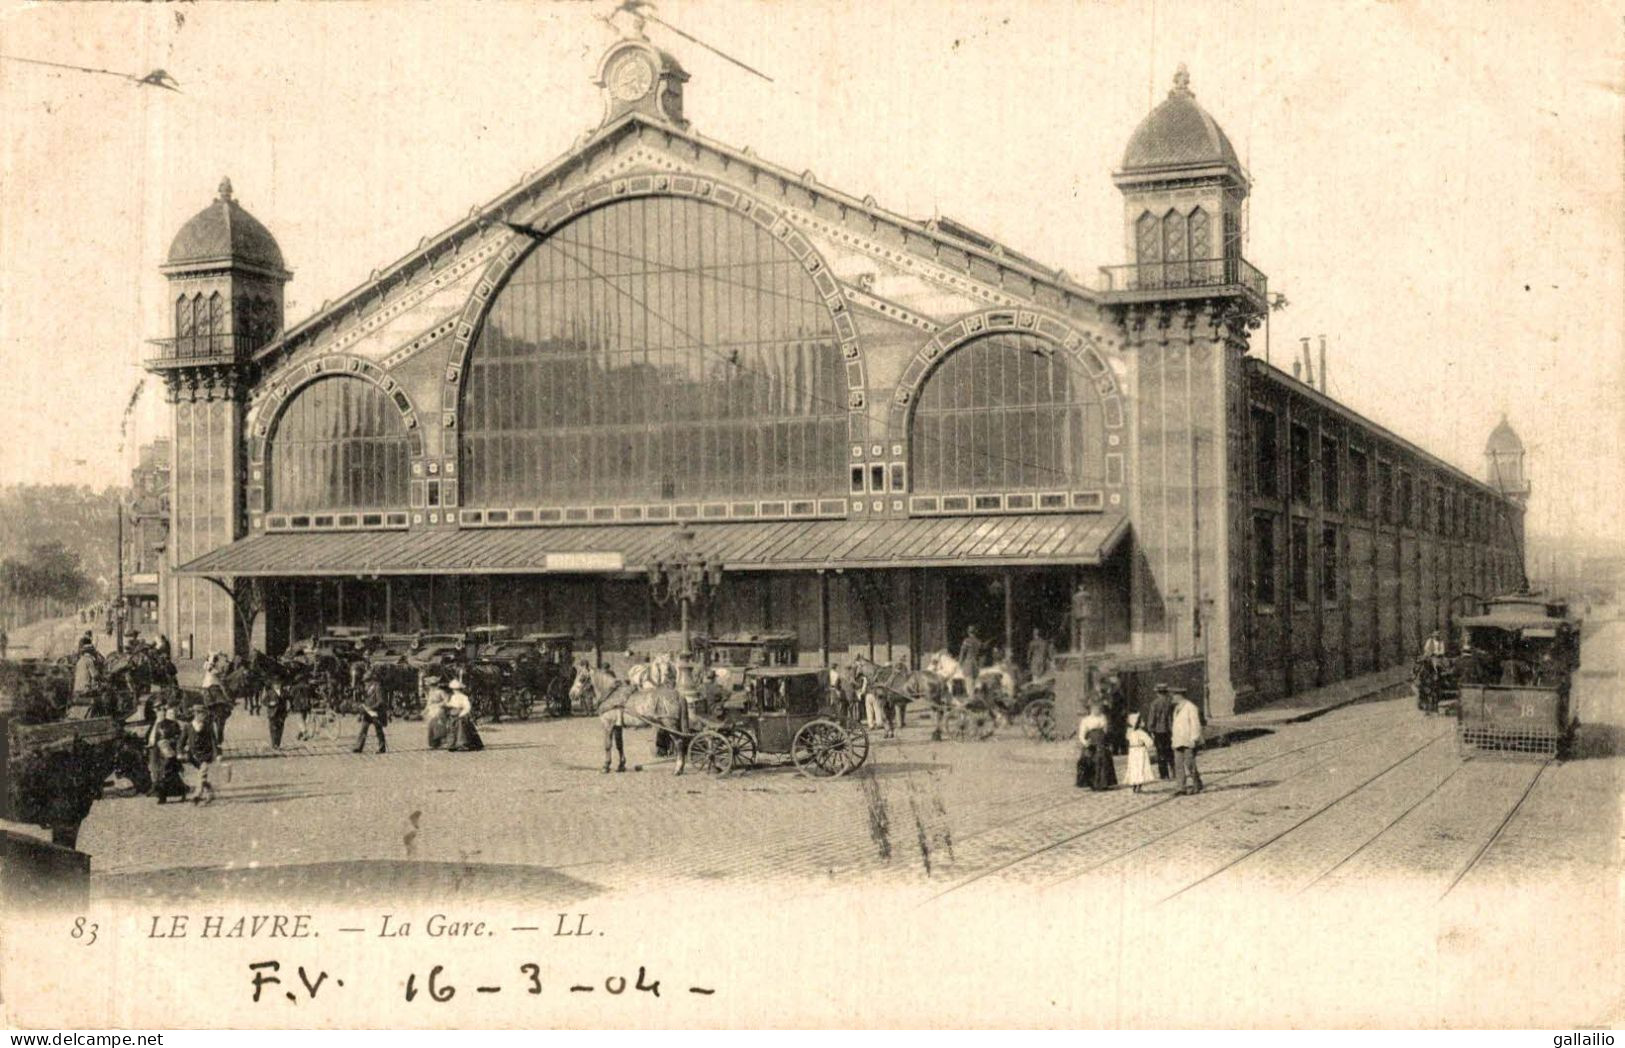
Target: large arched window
[
  {"x": 656, "y": 348},
  {"x": 1007, "y": 412},
  {"x": 339, "y": 444}
]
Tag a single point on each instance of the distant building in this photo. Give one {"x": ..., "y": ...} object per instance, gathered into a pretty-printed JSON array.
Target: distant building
[
  {"x": 887, "y": 430},
  {"x": 146, "y": 535}
]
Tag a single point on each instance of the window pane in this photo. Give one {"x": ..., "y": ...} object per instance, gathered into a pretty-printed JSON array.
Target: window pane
[
  {"x": 1002, "y": 413},
  {"x": 339, "y": 444},
  {"x": 669, "y": 343}
]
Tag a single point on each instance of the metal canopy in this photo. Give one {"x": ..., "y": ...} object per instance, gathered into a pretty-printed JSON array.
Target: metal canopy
[{"x": 991, "y": 541}]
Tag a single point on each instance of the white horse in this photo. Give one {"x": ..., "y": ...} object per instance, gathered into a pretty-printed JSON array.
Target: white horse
[
  {"x": 1000, "y": 676},
  {"x": 659, "y": 670},
  {"x": 947, "y": 668}
]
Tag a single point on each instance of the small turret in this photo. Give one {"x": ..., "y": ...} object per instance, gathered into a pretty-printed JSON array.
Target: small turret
[{"x": 1503, "y": 462}]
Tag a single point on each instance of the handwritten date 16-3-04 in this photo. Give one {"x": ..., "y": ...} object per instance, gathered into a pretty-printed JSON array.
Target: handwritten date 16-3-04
[{"x": 438, "y": 985}]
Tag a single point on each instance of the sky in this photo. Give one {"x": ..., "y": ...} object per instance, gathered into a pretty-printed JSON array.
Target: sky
[{"x": 1438, "y": 188}]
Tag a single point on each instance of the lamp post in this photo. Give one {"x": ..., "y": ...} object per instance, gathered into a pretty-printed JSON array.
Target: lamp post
[{"x": 685, "y": 577}]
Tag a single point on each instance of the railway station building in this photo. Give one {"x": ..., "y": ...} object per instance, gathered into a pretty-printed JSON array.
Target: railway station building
[{"x": 884, "y": 430}]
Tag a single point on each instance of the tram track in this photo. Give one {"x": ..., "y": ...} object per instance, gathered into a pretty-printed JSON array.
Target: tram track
[
  {"x": 1390, "y": 825},
  {"x": 1311, "y": 817},
  {"x": 1500, "y": 829},
  {"x": 1071, "y": 796},
  {"x": 1369, "y": 734}
]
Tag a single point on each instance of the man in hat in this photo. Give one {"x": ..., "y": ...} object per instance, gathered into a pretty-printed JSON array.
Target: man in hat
[
  {"x": 87, "y": 668},
  {"x": 200, "y": 750},
  {"x": 1115, "y": 705},
  {"x": 374, "y": 712},
  {"x": 1187, "y": 738},
  {"x": 276, "y": 713},
  {"x": 1159, "y": 721}
]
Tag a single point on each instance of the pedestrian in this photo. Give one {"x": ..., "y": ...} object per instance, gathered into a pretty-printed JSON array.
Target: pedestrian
[
  {"x": 87, "y": 671},
  {"x": 199, "y": 749},
  {"x": 1095, "y": 768},
  {"x": 1039, "y": 656},
  {"x": 276, "y": 713},
  {"x": 1187, "y": 739},
  {"x": 970, "y": 658},
  {"x": 435, "y": 717},
  {"x": 1140, "y": 744},
  {"x": 465, "y": 738},
  {"x": 374, "y": 714},
  {"x": 5, "y": 642},
  {"x": 164, "y": 753},
  {"x": 1159, "y": 721},
  {"x": 1115, "y": 705}
]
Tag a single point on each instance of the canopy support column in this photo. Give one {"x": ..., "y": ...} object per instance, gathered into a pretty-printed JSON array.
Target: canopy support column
[
  {"x": 1009, "y": 615},
  {"x": 823, "y": 614},
  {"x": 597, "y": 623}
]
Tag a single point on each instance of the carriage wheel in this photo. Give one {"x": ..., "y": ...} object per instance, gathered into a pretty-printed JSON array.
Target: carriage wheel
[
  {"x": 744, "y": 744},
  {"x": 1038, "y": 719},
  {"x": 810, "y": 748},
  {"x": 711, "y": 753},
  {"x": 524, "y": 702},
  {"x": 822, "y": 749},
  {"x": 983, "y": 724},
  {"x": 854, "y": 749}
]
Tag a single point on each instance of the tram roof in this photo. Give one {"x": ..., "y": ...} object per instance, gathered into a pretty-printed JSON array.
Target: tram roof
[{"x": 1035, "y": 539}]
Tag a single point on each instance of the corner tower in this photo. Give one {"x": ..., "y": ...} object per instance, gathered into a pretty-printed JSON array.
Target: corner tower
[
  {"x": 1184, "y": 302},
  {"x": 1503, "y": 462},
  {"x": 226, "y": 278}
]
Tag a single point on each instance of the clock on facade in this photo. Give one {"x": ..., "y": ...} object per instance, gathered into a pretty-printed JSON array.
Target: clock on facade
[{"x": 632, "y": 79}]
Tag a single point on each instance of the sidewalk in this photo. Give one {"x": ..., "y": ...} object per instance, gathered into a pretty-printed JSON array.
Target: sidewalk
[{"x": 1306, "y": 705}]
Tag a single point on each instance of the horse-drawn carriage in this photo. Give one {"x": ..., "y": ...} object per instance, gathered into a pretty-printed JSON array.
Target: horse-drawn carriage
[
  {"x": 783, "y": 711},
  {"x": 508, "y": 677},
  {"x": 741, "y": 650},
  {"x": 962, "y": 708}
]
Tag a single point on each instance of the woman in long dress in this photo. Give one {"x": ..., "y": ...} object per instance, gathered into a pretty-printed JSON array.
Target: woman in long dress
[
  {"x": 464, "y": 737},
  {"x": 435, "y": 717},
  {"x": 1097, "y": 751},
  {"x": 1091, "y": 730},
  {"x": 1138, "y": 770},
  {"x": 164, "y": 741}
]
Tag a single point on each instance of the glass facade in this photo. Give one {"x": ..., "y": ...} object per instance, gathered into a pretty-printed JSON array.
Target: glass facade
[
  {"x": 656, "y": 348},
  {"x": 339, "y": 444},
  {"x": 1006, "y": 412}
]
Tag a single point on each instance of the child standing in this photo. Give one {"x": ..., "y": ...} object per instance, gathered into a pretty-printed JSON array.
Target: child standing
[{"x": 1138, "y": 771}]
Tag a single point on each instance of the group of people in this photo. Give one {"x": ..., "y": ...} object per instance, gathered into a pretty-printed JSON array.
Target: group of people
[
  {"x": 174, "y": 742},
  {"x": 449, "y": 715},
  {"x": 1166, "y": 738}
]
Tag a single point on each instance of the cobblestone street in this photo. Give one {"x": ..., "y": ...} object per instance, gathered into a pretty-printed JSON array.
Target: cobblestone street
[{"x": 1370, "y": 792}]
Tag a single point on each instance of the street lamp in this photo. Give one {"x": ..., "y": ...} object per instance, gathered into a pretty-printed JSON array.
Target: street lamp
[{"x": 685, "y": 577}]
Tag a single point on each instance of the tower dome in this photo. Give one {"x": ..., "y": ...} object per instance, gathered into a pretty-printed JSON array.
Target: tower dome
[
  {"x": 1503, "y": 440},
  {"x": 1179, "y": 135},
  {"x": 223, "y": 233}
]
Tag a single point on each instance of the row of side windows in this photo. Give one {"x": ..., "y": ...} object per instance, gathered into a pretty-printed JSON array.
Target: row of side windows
[
  {"x": 1392, "y": 495},
  {"x": 1307, "y": 557}
]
